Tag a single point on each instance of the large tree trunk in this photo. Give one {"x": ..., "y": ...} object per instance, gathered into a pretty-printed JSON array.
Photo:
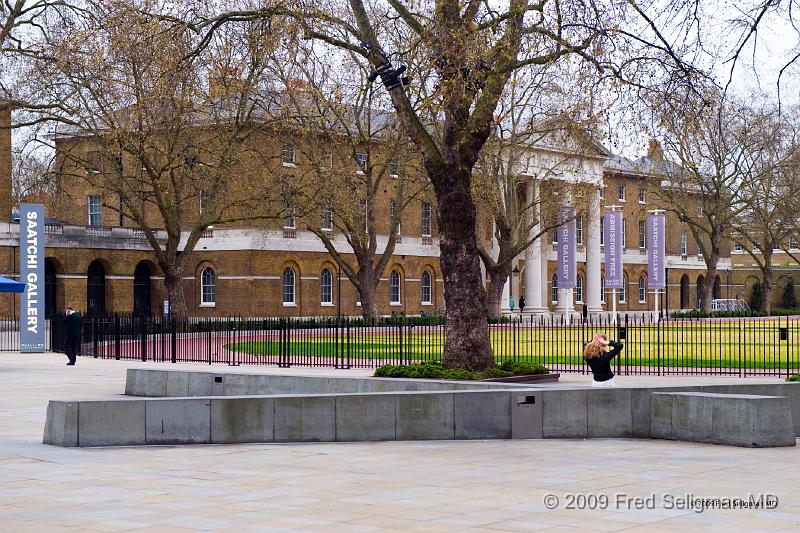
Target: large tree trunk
[
  {"x": 707, "y": 290},
  {"x": 494, "y": 296},
  {"x": 369, "y": 300},
  {"x": 467, "y": 329},
  {"x": 172, "y": 282},
  {"x": 766, "y": 290}
]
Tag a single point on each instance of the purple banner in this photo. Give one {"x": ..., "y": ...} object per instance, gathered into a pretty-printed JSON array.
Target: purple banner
[
  {"x": 655, "y": 252},
  {"x": 565, "y": 256},
  {"x": 612, "y": 236}
]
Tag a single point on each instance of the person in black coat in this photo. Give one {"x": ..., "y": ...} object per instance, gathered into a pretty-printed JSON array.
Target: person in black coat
[
  {"x": 72, "y": 338},
  {"x": 598, "y": 356}
]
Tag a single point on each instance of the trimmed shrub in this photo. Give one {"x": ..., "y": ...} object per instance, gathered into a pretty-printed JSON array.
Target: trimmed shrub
[
  {"x": 793, "y": 377},
  {"x": 435, "y": 370}
]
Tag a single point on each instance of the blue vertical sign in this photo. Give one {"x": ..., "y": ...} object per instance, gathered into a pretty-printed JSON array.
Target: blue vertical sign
[
  {"x": 565, "y": 256},
  {"x": 612, "y": 231},
  {"x": 655, "y": 251},
  {"x": 31, "y": 270}
]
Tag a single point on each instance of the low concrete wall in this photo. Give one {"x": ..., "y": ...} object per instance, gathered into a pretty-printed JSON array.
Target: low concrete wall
[
  {"x": 733, "y": 419},
  {"x": 208, "y": 407},
  {"x": 176, "y": 383},
  {"x": 493, "y": 414}
]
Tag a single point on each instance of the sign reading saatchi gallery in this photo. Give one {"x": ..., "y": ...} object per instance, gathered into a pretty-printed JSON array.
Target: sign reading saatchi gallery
[{"x": 31, "y": 269}]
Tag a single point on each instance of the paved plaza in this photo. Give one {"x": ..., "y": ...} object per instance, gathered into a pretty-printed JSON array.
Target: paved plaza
[{"x": 391, "y": 486}]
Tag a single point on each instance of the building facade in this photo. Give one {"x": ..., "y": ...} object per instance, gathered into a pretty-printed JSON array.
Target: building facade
[{"x": 98, "y": 261}]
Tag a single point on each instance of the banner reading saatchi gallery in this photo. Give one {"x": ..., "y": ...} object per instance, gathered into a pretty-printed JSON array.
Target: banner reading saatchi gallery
[{"x": 31, "y": 269}]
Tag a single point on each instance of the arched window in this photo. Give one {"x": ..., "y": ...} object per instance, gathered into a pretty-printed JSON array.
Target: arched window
[
  {"x": 579, "y": 289},
  {"x": 394, "y": 287},
  {"x": 326, "y": 287},
  {"x": 96, "y": 289},
  {"x": 208, "y": 283},
  {"x": 554, "y": 290},
  {"x": 288, "y": 286},
  {"x": 642, "y": 290},
  {"x": 602, "y": 288},
  {"x": 623, "y": 290},
  {"x": 141, "y": 289},
  {"x": 426, "y": 287}
]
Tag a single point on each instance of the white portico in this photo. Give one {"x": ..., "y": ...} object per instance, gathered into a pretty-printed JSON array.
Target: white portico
[{"x": 565, "y": 164}]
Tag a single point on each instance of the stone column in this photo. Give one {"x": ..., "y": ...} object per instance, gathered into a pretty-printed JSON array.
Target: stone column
[
  {"x": 593, "y": 288},
  {"x": 535, "y": 267},
  {"x": 505, "y": 309}
]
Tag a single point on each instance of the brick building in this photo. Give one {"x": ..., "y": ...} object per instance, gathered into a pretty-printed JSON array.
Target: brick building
[{"x": 95, "y": 260}]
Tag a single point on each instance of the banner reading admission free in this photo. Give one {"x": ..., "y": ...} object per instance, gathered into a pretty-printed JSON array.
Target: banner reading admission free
[
  {"x": 31, "y": 270},
  {"x": 612, "y": 233},
  {"x": 565, "y": 252},
  {"x": 656, "y": 224}
]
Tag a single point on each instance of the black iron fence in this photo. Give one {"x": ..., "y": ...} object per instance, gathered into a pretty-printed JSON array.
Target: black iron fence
[{"x": 730, "y": 346}]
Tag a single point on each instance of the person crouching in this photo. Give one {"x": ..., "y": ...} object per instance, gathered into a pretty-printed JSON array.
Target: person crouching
[{"x": 599, "y": 358}]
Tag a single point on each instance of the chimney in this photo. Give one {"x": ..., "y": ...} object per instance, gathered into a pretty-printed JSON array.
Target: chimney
[
  {"x": 654, "y": 151},
  {"x": 5, "y": 162}
]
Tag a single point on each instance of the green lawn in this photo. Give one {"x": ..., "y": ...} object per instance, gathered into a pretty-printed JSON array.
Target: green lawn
[{"x": 719, "y": 345}]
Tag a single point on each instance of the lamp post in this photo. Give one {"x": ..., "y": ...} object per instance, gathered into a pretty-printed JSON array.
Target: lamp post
[{"x": 514, "y": 275}]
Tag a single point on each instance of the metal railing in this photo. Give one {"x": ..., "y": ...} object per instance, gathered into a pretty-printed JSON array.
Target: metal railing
[{"x": 731, "y": 346}]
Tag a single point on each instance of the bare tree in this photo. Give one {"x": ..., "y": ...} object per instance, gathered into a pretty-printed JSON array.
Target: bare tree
[
  {"x": 503, "y": 182},
  {"x": 768, "y": 222},
  {"x": 365, "y": 167},
  {"x": 708, "y": 159},
  {"x": 156, "y": 133},
  {"x": 461, "y": 57}
]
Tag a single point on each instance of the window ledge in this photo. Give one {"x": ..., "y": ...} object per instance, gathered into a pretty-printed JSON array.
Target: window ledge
[
  {"x": 289, "y": 165},
  {"x": 395, "y": 304},
  {"x": 359, "y": 172},
  {"x": 289, "y": 304},
  {"x": 358, "y": 304},
  {"x": 428, "y": 304},
  {"x": 326, "y": 304},
  {"x": 208, "y": 304}
]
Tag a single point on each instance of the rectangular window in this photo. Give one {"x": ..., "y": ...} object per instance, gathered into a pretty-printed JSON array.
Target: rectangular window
[
  {"x": 622, "y": 291},
  {"x": 683, "y": 243},
  {"x": 392, "y": 217},
  {"x": 642, "y": 235},
  {"x": 602, "y": 192},
  {"x": 642, "y": 291},
  {"x": 700, "y": 211},
  {"x": 288, "y": 154},
  {"x": 202, "y": 198},
  {"x": 95, "y": 216},
  {"x": 642, "y": 197},
  {"x": 737, "y": 247},
  {"x": 327, "y": 160},
  {"x": 793, "y": 244},
  {"x": 426, "y": 219},
  {"x": 326, "y": 219},
  {"x": 621, "y": 193},
  {"x": 361, "y": 162},
  {"x": 623, "y": 233},
  {"x": 288, "y": 219},
  {"x": 579, "y": 229},
  {"x": 601, "y": 231},
  {"x": 394, "y": 168},
  {"x": 602, "y": 289}
]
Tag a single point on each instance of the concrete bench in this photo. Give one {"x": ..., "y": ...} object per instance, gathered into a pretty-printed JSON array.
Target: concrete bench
[
  {"x": 733, "y": 419},
  {"x": 498, "y": 414}
]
